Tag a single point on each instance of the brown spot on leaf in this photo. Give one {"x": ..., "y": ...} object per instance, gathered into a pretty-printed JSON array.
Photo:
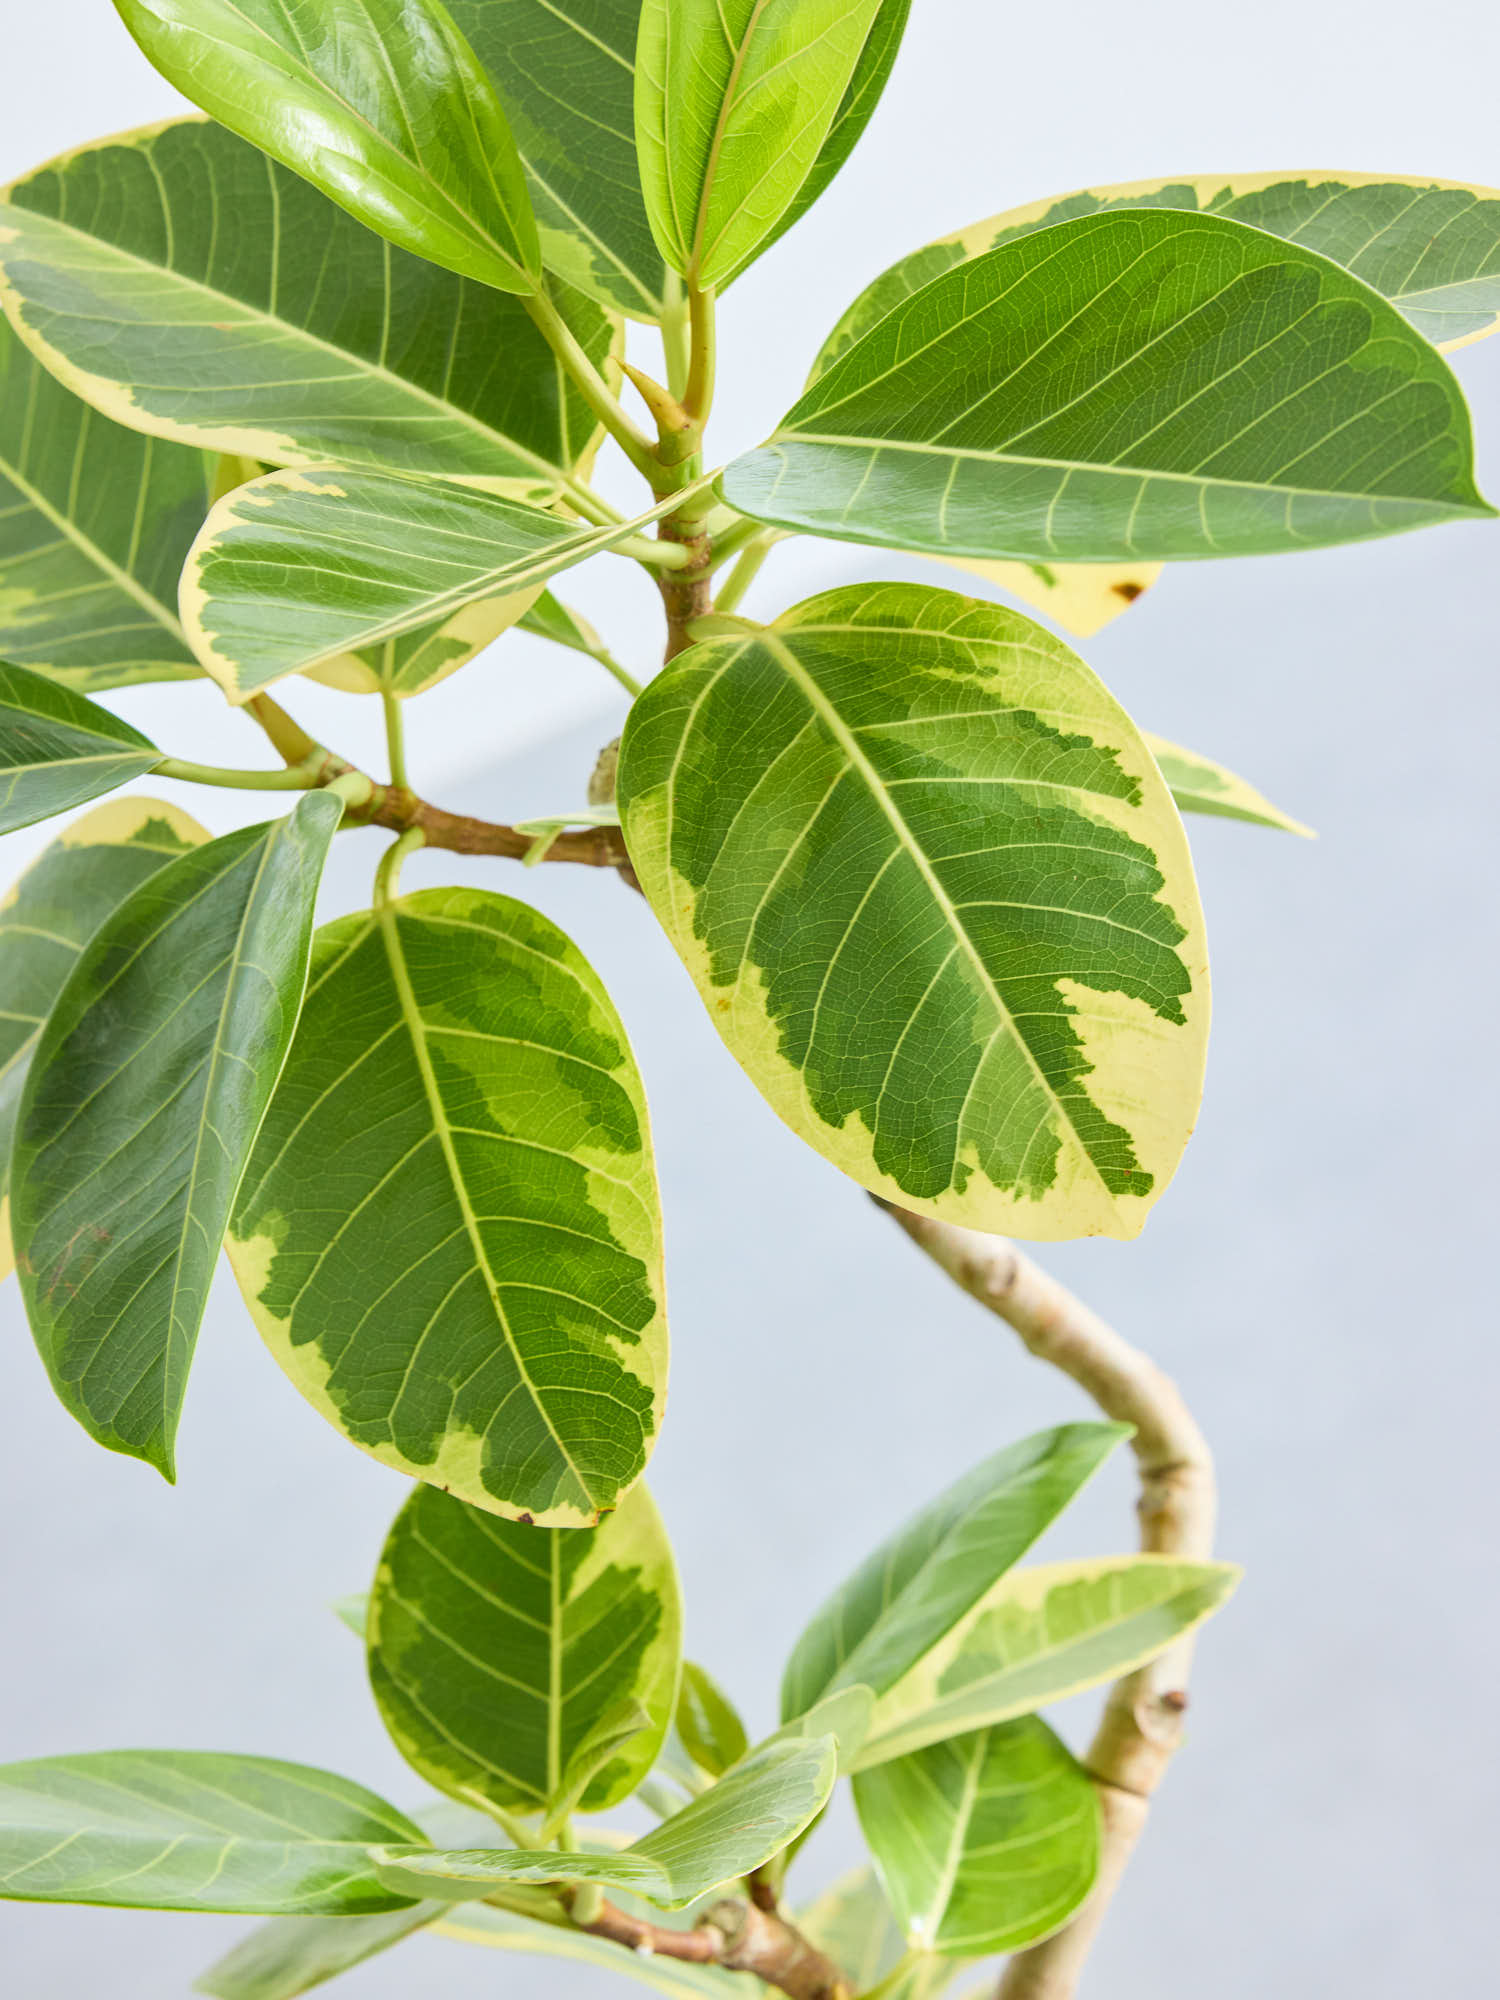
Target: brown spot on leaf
[
  {"x": 527, "y": 1520},
  {"x": 1129, "y": 591}
]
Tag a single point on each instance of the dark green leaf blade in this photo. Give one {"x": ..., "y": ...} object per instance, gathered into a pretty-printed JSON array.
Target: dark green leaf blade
[
  {"x": 985, "y": 1843},
  {"x": 381, "y": 104},
  {"x": 476, "y": 1207},
  {"x": 139, "y": 1111},
  {"x": 496, "y": 1650},
  {"x": 937, "y": 900},
  {"x": 59, "y": 750},
  {"x": 48, "y": 918},
  {"x": 916, "y": 1586},
  {"x": 185, "y": 285},
  {"x": 193, "y": 1830},
  {"x": 1143, "y": 385},
  {"x": 95, "y": 522}
]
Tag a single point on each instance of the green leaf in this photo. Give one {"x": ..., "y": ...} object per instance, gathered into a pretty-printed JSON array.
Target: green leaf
[
  {"x": 1081, "y": 597},
  {"x": 58, "y": 750},
  {"x": 482, "y": 1924},
  {"x": 922, "y": 1580},
  {"x": 734, "y": 1827},
  {"x": 1130, "y": 386},
  {"x": 185, "y": 285},
  {"x": 734, "y": 100},
  {"x": 95, "y": 521},
  {"x": 381, "y": 104},
  {"x": 301, "y": 569},
  {"x": 291, "y": 1955},
  {"x": 192, "y": 1830},
  {"x": 449, "y": 1233},
  {"x": 1431, "y": 247},
  {"x": 852, "y": 1922},
  {"x": 139, "y": 1112},
  {"x": 1201, "y": 786},
  {"x": 937, "y": 901},
  {"x": 353, "y": 1611},
  {"x": 1040, "y": 1635},
  {"x": 497, "y": 1651},
  {"x": 48, "y": 918},
  {"x": 550, "y": 618},
  {"x": 986, "y": 1843},
  {"x": 708, "y": 1722}
]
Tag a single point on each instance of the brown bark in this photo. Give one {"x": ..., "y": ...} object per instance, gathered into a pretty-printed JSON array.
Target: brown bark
[{"x": 738, "y": 1936}]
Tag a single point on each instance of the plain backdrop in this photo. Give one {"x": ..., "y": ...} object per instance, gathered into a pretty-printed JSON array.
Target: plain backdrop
[{"x": 1320, "y": 1277}]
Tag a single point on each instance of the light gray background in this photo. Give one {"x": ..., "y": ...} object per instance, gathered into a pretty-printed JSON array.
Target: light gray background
[{"x": 1320, "y": 1278}]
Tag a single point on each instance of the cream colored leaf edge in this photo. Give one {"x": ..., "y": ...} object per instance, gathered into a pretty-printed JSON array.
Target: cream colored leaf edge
[
  {"x": 1232, "y": 796},
  {"x": 1080, "y": 597}
]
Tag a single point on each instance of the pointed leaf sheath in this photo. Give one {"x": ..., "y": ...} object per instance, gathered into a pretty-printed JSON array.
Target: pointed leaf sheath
[
  {"x": 185, "y": 285},
  {"x": 58, "y": 750},
  {"x": 92, "y": 867},
  {"x": 95, "y": 522},
  {"x": 986, "y": 1843},
  {"x": 1199, "y": 785},
  {"x": 449, "y": 1231},
  {"x": 381, "y": 104},
  {"x": 497, "y": 1650},
  {"x": 733, "y": 105},
  {"x": 916, "y": 1586},
  {"x": 937, "y": 901},
  {"x": 193, "y": 1830},
  {"x": 1142, "y": 386},
  {"x": 139, "y": 1112}
]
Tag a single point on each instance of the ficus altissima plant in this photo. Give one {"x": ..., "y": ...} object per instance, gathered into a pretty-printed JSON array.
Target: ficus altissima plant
[{"x": 315, "y": 386}]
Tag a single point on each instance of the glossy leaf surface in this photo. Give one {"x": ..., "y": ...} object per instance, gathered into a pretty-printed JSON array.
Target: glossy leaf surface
[
  {"x": 306, "y": 568},
  {"x": 985, "y": 1843},
  {"x": 917, "y": 1585},
  {"x": 733, "y": 103},
  {"x": 139, "y": 1112},
  {"x": 381, "y": 104},
  {"x": 735, "y": 1826},
  {"x": 448, "y": 1233},
  {"x": 1043, "y": 1634},
  {"x": 95, "y": 521},
  {"x": 185, "y": 285},
  {"x": 1199, "y": 785},
  {"x": 92, "y": 867},
  {"x": 1139, "y": 386},
  {"x": 497, "y": 1650},
  {"x": 708, "y": 1722},
  {"x": 192, "y": 1830},
  {"x": 936, "y": 900},
  {"x": 58, "y": 750}
]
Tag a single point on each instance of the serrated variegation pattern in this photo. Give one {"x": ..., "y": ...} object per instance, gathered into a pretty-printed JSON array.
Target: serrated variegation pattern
[
  {"x": 95, "y": 521},
  {"x": 916, "y": 1586},
  {"x": 496, "y": 1649},
  {"x": 449, "y": 1233},
  {"x": 139, "y": 1111},
  {"x": 1043, "y": 1634},
  {"x": 1133, "y": 386},
  {"x": 186, "y": 285},
  {"x": 192, "y": 1830},
  {"x": 734, "y": 100},
  {"x": 58, "y": 750},
  {"x": 309, "y": 569},
  {"x": 936, "y": 900},
  {"x": 1201, "y": 786},
  {"x": 48, "y": 918},
  {"x": 985, "y": 1843}
]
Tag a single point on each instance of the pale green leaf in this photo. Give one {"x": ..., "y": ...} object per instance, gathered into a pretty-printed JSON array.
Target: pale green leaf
[
  {"x": 985, "y": 1843},
  {"x": 708, "y": 1722},
  {"x": 1040, "y": 1635},
  {"x": 922, "y": 1580},
  {"x": 381, "y": 104},
  {"x": 95, "y": 522},
  {"x": 1142, "y": 385},
  {"x": 139, "y": 1111},
  {"x": 1199, "y": 785},
  {"x": 48, "y": 918},
  {"x": 550, "y": 618},
  {"x": 734, "y": 1827},
  {"x": 59, "y": 750},
  {"x": 852, "y": 1922},
  {"x": 304, "y": 568},
  {"x": 291, "y": 1955},
  {"x": 192, "y": 1830},
  {"x": 481, "y": 1924},
  {"x": 734, "y": 100},
  {"x": 497, "y": 1651},
  {"x": 185, "y": 285},
  {"x": 937, "y": 901},
  {"x": 353, "y": 1611},
  {"x": 449, "y": 1232}
]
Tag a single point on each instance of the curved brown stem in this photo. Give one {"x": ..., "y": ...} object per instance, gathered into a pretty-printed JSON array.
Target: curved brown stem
[{"x": 739, "y": 1936}]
